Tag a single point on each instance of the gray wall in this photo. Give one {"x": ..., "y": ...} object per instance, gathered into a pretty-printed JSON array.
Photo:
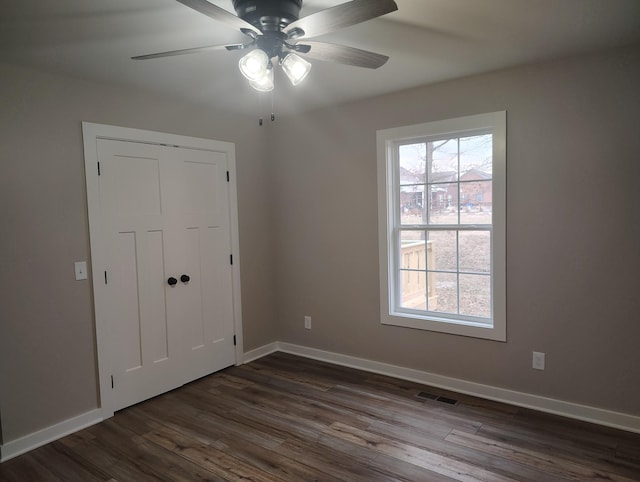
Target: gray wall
[
  {"x": 573, "y": 230},
  {"x": 47, "y": 342},
  {"x": 308, "y": 231}
]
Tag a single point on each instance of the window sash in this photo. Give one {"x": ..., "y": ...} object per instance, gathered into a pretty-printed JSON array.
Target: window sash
[{"x": 440, "y": 315}]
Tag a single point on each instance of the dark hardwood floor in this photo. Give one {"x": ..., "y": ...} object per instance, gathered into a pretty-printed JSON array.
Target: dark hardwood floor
[{"x": 289, "y": 418}]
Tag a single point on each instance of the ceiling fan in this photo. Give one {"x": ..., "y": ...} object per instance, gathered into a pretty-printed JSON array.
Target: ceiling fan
[{"x": 275, "y": 30}]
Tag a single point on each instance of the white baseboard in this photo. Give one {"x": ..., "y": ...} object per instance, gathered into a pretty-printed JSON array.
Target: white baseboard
[
  {"x": 42, "y": 437},
  {"x": 623, "y": 421},
  {"x": 259, "y": 352}
]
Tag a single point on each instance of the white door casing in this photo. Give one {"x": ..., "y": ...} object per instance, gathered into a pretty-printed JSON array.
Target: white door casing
[{"x": 161, "y": 205}]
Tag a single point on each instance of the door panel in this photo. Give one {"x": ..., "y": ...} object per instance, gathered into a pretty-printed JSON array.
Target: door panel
[
  {"x": 126, "y": 322},
  {"x": 154, "y": 316},
  {"x": 200, "y": 199},
  {"x": 218, "y": 281},
  {"x": 137, "y": 182},
  {"x": 194, "y": 323}
]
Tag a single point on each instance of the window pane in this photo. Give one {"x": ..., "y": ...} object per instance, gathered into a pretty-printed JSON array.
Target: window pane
[
  {"x": 475, "y": 202},
  {"x": 475, "y": 295},
  {"x": 475, "y": 251},
  {"x": 412, "y": 159},
  {"x": 442, "y": 160},
  {"x": 412, "y": 207},
  {"x": 412, "y": 250},
  {"x": 445, "y": 297},
  {"x": 476, "y": 161},
  {"x": 443, "y": 203},
  {"x": 442, "y": 250},
  {"x": 413, "y": 289}
]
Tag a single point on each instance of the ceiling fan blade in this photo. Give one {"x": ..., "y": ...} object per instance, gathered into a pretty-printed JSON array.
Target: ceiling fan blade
[
  {"x": 195, "y": 50},
  {"x": 341, "y": 16},
  {"x": 344, "y": 55},
  {"x": 218, "y": 13}
]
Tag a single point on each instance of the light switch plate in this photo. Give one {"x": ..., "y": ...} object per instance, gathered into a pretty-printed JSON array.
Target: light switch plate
[
  {"x": 81, "y": 270},
  {"x": 538, "y": 360}
]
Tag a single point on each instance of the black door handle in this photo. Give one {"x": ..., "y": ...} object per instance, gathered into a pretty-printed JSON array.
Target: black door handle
[
  {"x": 185, "y": 278},
  {"x": 172, "y": 281}
]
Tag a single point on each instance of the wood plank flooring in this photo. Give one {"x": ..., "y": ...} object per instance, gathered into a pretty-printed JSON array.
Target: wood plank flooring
[{"x": 289, "y": 418}]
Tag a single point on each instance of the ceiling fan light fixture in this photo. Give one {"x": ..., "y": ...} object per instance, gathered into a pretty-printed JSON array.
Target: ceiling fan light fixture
[
  {"x": 295, "y": 67},
  {"x": 255, "y": 65},
  {"x": 265, "y": 83}
]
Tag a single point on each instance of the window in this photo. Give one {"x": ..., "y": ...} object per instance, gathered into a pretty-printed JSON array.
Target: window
[{"x": 442, "y": 195}]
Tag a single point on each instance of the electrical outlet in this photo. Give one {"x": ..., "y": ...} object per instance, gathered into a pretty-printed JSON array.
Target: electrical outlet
[
  {"x": 307, "y": 322},
  {"x": 538, "y": 360}
]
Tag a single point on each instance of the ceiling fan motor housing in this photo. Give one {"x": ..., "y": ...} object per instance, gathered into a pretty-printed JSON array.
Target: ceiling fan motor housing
[{"x": 268, "y": 15}]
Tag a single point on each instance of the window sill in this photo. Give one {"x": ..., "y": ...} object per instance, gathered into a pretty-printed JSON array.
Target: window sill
[{"x": 495, "y": 332}]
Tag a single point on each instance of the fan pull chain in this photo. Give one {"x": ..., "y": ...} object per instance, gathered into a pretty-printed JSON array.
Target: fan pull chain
[
  {"x": 260, "y": 120},
  {"x": 273, "y": 111}
]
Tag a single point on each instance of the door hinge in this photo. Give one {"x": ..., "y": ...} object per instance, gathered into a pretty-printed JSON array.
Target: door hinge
[
  {"x": 227, "y": 176},
  {"x": 105, "y": 277},
  {"x": 231, "y": 258},
  {"x": 234, "y": 340},
  {"x": 98, "y": 168},
  {"x": 111, "y": 381}
]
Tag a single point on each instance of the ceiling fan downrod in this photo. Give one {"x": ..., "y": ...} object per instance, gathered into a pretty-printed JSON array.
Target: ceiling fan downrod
[{"x": 268, "y": 15}]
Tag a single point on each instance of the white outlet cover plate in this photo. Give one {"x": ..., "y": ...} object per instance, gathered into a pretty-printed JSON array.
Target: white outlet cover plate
[
  {"x": 538, "y": 360},
  {"x": 81, "y": 270}
]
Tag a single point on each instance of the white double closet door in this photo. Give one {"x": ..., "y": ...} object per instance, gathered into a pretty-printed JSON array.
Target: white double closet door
[{"x": 166, "y": 302}]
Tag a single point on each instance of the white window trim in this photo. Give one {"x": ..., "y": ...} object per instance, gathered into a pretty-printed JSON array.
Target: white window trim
[{"x": 386, "y": 139}]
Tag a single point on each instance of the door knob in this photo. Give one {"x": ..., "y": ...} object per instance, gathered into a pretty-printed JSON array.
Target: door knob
[
  {"x": 185, "y": 278},
  {"x": 172, "y": 281}
]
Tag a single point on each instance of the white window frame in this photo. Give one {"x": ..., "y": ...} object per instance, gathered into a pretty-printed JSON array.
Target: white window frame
[{"x": 389, "y": 225}]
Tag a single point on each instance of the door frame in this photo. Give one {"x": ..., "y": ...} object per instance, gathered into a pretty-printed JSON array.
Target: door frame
[{"x": 91, "y": 132}]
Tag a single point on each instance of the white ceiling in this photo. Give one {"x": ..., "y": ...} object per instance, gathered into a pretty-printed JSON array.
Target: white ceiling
[{"x": 428, "y": 41}]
